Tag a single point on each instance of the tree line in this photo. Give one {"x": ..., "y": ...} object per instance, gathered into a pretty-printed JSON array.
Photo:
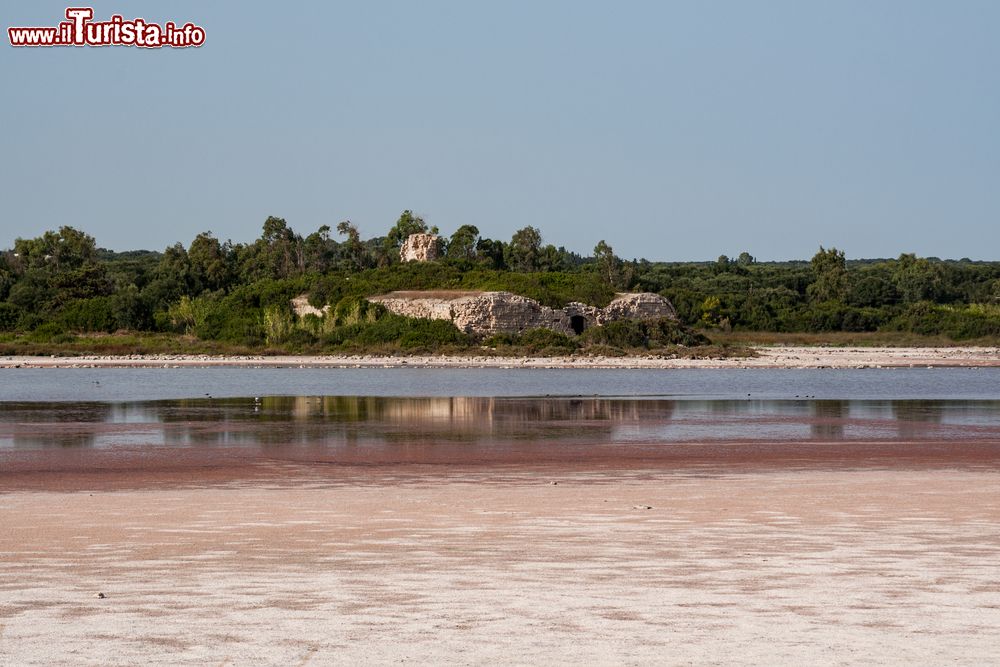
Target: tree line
[{"x": 62, "y": 284}]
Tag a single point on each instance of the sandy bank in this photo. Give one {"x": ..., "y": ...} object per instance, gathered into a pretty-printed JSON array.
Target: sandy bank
[{"x": 768, "y": 357}]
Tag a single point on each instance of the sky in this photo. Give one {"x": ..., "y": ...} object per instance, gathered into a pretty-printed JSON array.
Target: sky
[{"x": 674, "y": 130}]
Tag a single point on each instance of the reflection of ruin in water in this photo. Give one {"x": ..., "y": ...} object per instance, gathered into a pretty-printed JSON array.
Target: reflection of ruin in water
[
  {"x": 352, "y": 420},
  {"x": 349, "y": 421},
  {"x": 280, "y": 420},
  {"x": 912, "y": 417},
  {"x": 829, "y": 419}
]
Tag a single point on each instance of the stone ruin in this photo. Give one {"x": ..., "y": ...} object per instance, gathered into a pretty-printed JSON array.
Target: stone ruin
[
  {"x": 420, "y": 248},
  {"x": 302, "y": 307},
  {"x": 637, "y": 306},
  {"x": 488, "y": 313}
]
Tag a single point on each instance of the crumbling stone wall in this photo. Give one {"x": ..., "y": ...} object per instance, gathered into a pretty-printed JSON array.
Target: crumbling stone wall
[
  {"x": 488, "y": 313},
  {"x": 420, "y": 248},
  {"x": 503, "y": 312},
  {"x": 637, "y": 306},
  {"x": 427, "y": 305},
  {"x": 483, "y": 313}
]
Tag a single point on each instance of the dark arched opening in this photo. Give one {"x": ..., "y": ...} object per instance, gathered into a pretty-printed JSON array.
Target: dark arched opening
[{"x": 578, "y": 324}]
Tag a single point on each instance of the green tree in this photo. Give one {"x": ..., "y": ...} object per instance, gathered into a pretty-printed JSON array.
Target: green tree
[
  {"x": 320, "y": 250},
  {"x": 872, "y": 291},
  {"x": 282, "y": 251},
  {"x": 919, "y": 279},
  {"x": 174, "y": 269},
  {"x": 830, "y": 275},
  {"x": 63, "y": 250},
  {"x": 354, "y": 249},
  {"x": 463, "y": 243},
  {"x": 7, "y": 279},
  {"x": 711, "y": 311},
  {"x": 524, "y": 250},
  {"x": 607, "y": 264},
  {"x": 209, "y": 263},
  {"x": 82, "y": 282},
  {"x": 550, "y": 259},
  {"x": 31, "y": 292},
  {"x": 492, "y": 253},
  {"x": 130, "y": 312}
]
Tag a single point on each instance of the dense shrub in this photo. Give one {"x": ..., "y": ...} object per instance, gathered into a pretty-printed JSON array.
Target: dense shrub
[
  {"x": 129, "y": 309},
  {"x": 547, "y": 341},
  {"x": 831, "y": 316},
  {"x": 231, "y": 326},
  {"x": 623, "y": 334},
  {"x": 389, "y": 329},
  {"x": 10, "y": 316},
  {"x": 500, "y": 340},
  {"x": 355, "y": 309},
  {"x": 959, "y": 323},
  {"x": 300, "y": 339},
  {"x": 627, "y": 334},
  {"x": 665, "y": 331},
  {"x": 88, "y": 315},
  {"x": 50, "y": 332},
  {"x": 432, "y": 334},
  {"x": 278, "y": 324}
]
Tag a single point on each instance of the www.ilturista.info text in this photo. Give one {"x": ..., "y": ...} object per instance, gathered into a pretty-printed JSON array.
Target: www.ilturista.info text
[{"x": 80, "y": 30}]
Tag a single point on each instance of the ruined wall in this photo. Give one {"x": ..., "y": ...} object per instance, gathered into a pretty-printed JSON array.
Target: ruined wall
[
  {"x": 637, "y": 306},
  {"x": 488, "y": 313},
  {"x": 483, "y": 313},
  {"x": 300, "y": 305},
  {"x": 420, "y": 248},
  {"x": 503, "y": 312},
  {"x": 413, "y": 304}
]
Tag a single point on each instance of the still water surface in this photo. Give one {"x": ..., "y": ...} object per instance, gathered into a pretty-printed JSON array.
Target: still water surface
[
  {"x": 144, "y": 384},
  {"x": 362, "y": 414},
  {"x": 346, "y": 423}
]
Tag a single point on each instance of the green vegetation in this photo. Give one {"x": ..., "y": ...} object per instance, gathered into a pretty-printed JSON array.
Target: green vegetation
[
  {"x": 956, "y": 300},
  {"x": 60, "y": 292}
]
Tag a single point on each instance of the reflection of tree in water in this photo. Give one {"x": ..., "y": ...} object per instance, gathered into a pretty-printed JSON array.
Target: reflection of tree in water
[
  {"x": 32, "y": 425},
  {"x": 351, "y": 420},
  {"x": 744, "y": 407},
  {"x": 203, "y": 421},
  {"x": 324, "y": 424},
  {"x": 828, "y": 419},
  {"x": 913, "y": 416}
]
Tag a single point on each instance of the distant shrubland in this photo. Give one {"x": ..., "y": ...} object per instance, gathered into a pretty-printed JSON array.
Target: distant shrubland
[{"x": 62, "y": 291}]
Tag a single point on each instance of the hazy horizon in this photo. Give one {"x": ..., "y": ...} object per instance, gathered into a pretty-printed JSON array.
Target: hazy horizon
[{"x": 675, "y": 131}]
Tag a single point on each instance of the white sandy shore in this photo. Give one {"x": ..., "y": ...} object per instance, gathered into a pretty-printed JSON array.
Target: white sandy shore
[
  {"x": 768, "y": 357},
  {"x": 649, "y": 567}
]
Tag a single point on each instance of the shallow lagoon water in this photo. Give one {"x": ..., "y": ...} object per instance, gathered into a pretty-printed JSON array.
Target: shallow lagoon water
[
  {"x": 484, "y": 415},
  {"x": 144, "y": 384},
  {"x": 341, "y": 423}
]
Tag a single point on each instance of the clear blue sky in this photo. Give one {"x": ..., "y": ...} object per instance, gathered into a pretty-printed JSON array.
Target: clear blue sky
[{"x": 676, "y": 131}]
